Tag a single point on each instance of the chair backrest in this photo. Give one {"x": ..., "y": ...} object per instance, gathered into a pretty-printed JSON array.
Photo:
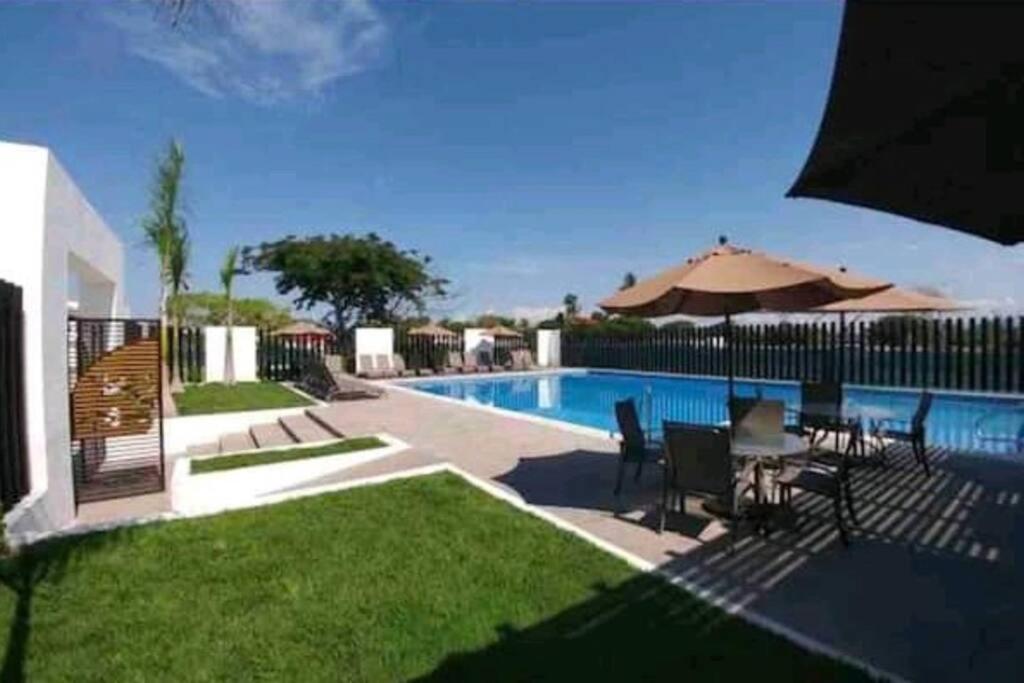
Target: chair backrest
[
  {"x": 527, "y": 357},
  {"x": 699, "y": 459},
  {"x": 454, "y": 359},
  {"x": 383, "y": 361},
  {"x": 365, "y": 362},
  {"x": 629, "y": 424},
  {"x": 517, "y": 359},
  {"x": 820, "y": 393},
  {"x": 756, "y": 419},
  {"x": 924, "y": 406},
  {"x": 469, "y": 359},
  {"x": 399, "y": 362}
]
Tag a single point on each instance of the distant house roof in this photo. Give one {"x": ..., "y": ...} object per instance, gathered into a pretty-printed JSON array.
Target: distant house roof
[{"x": 303, "y": 328}]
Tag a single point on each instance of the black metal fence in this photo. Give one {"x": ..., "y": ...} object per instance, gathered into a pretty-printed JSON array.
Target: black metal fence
[
  {"x": 423, "y": 351},
  {"x": 14, "y": 466},
  {"x": 281, "y": 358},
  {"x": 972, "y": 354}
]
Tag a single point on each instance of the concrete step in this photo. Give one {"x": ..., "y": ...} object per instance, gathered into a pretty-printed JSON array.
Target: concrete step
[
  {"x": 325, "y": 418},
  {"x": 239, "y": 441},
  {"x": 270, "y": 435},
  {"x": 305, "y": 429},
  {"x": 211, "y": 448}
]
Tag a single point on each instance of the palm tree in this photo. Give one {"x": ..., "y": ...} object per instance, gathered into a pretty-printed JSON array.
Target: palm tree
[
  {"x": 227, "y": 275},
  {"x": 572, "y": 306},
  {"x": 178, "y": 280},
  {"x": 164, "y": 223}
]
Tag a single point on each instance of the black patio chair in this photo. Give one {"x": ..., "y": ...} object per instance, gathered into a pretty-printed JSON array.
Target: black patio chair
[
  {"x": 699, "y": 463},
  {"x": 815, "y": 427},
  {"x": 635, "y": 446},
  {"x": 912, "y": 432},
  {"x": 832, "y": 482}
]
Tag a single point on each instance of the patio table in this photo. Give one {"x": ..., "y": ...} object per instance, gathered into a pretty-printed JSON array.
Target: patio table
[{"x": 761, "y": 450}]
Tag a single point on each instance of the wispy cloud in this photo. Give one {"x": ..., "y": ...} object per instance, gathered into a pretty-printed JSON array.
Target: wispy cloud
[{"x": 264, "y": 51}]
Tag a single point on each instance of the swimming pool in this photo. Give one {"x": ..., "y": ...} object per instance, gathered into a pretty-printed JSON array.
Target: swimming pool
[{"x": 587, "y": 398}]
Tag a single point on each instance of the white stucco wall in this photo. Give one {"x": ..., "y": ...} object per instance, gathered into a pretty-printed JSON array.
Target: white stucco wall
[
  {"x": 243, "y": 344},
  {"x": 372, "y": 341},
  {"x": 51, "y": 236},
  {"x": 549, "y": 348},
  {"x": 477, "y": 339}
]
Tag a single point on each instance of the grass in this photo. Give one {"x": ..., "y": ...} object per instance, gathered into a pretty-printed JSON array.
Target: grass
[
  {"x": 230, "y": 462},
  {"x": 424, "y": 578},
  {"x": 204, "y": 399}
]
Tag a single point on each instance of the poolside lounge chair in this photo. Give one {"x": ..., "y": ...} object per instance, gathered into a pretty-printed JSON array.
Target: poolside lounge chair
[
  {"x": 326, "y": 379},
  {"x": 452, "y": 363},
  {"x": 476, "y": 361},
  {"x": 522, "y": 359},
  {"x": 399, "y": 367},
  {"x": 635, "y": 446},
  {"x": 383, "y": 366},
  {"x": 912, "y": 432},
  {"x": 365, "y": 365},
  {"x": 698, "y": 462},
  {"x": 404, "y": 371}
]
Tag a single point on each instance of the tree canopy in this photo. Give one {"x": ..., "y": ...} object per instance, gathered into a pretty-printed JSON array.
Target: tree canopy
[
  {"x": 362, "y": 279},
  {"x": 211, "y": 308}
]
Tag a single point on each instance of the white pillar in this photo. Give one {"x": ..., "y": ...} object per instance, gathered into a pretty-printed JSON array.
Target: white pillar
[
  {"x": 243, "y": 343},
  {"x": 549, "y": 348},
  {"x": 373, "y": 341}
]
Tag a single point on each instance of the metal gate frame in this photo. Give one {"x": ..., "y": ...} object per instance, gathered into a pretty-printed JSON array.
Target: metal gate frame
[{"x": 115, "y": 377}]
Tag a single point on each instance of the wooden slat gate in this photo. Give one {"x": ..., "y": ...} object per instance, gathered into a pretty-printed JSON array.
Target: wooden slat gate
[
  {"x": 115, "y": 405},
  {"x": 14, "y": 468}
]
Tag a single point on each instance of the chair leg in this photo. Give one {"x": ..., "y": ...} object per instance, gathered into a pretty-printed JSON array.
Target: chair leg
[
  {"x": 839, "y": 521},
  {"x": 639, "y": 469},
  {"x": 618, "y": 479},
  {"x": 848, "y": 494},
  {"x": 922, "y": 456}
]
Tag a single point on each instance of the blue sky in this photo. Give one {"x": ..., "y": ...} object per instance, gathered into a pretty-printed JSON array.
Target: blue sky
[{"x": 530, "y": 149}]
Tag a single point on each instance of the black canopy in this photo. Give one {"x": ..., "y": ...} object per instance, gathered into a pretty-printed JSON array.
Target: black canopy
[{"x": 925, "y": 117}]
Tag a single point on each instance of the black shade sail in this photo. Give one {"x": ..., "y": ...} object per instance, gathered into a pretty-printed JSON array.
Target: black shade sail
[{"x": 925, "y": 117}]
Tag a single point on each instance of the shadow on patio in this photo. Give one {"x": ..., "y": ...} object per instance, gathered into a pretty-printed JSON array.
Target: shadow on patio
[{"x": 926, "y": 590}]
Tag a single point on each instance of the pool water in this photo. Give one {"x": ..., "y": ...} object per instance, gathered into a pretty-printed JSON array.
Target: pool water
[{"x": 964, "y": 422}]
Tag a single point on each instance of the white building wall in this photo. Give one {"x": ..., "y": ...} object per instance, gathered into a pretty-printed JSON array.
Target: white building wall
[
  {"x": 51, "y": 235},
  {"x": 372, "y": 341},
  {"x": 243, "y": 344}
]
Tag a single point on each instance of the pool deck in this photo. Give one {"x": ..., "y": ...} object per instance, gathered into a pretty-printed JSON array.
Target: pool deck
[{"x": 927, "y": 590}]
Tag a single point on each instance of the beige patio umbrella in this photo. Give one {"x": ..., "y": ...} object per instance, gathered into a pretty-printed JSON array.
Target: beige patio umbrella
[
  {"x": 892, "y": 300},
  {"x": 728, "y": 280},
  {"x": 302, "y": 328},
  {"x": 431, "y": 330},
  {"x": 502, "y": 331}
]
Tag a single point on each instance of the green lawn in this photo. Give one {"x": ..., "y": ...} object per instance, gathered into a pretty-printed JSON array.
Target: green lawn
[
  {"x": 202, "y": 399},
  {"x": 230, "y": 462},
  {"x": 423, "y": 578}
]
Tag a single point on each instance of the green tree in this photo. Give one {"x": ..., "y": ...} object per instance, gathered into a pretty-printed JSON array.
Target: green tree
[
  {"x": 199, "y": 309},
  {"x": 228, "y": 271},
  {"x": 164, "y": 225},
  {"x": 178, "y": 280},
  {"x": 628, "y": 280},
  {"x": 572, "y": 305},
  {"x": 362, "y": 279}
]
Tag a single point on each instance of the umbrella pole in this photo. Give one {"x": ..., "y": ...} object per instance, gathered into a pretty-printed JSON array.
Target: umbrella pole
[{"x": 728, "y": 351}]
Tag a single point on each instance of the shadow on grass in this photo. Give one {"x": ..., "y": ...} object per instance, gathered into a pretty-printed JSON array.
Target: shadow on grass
[
  {"x": 24, "y": 572},
  {"x": 642, "y": 629}
]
